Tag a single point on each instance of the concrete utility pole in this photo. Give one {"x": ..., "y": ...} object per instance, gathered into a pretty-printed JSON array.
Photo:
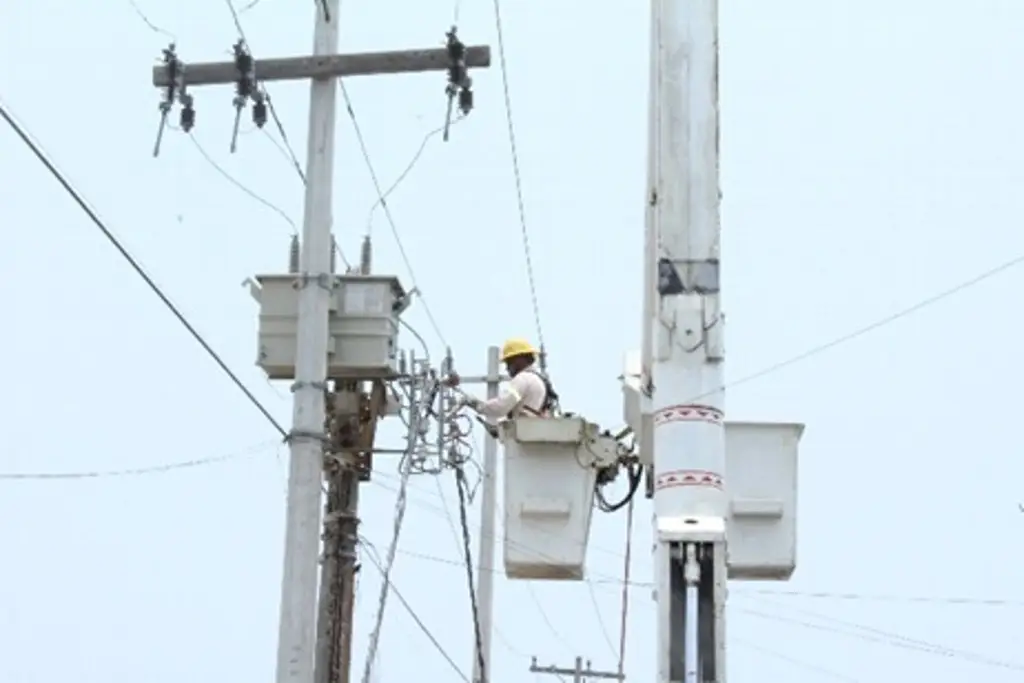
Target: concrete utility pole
[
  {"x": 683, "y": 342},
  {"x": 307, "y": 440},
  {"x": 297, "y": 631},
  {"x": 578, "y": 673}
]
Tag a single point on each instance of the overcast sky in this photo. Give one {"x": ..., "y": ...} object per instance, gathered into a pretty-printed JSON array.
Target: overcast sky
[{"x": 870, "y": 159}]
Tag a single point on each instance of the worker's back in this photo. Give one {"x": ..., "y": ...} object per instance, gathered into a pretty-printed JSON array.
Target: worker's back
[{"x": 532, "y": 390}]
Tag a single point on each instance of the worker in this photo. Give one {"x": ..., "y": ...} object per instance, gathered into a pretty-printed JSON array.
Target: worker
[{"x": 528, "y": 391}]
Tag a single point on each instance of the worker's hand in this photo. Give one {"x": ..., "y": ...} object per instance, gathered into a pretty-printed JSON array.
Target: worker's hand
[
  {"x": 452, "y": 380},
  {"x": 470, "y": 402}
]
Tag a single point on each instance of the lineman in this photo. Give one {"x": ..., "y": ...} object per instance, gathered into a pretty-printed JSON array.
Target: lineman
[{"x": 527, "y": 391}]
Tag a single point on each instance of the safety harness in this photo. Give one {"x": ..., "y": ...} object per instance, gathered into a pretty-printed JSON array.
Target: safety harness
[{"x": 550, "y": 403}]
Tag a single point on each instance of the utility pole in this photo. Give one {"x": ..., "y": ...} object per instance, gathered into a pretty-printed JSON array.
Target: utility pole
[
  {"x": 353, "y": 411},
  {"x": 297, "y": 629},
  {"x": 578, "y": 673}
]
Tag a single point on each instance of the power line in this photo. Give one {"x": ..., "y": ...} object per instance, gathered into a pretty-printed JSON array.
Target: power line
[
  {"x": 545, "y": 618},
  {"x": 234, "y": 181},
  {"x": 446, "y": 512},
  {"x": 399, "y": 518},
  {"x": 911, "y": 599},
  {"x": 610, "y": 580},
  {"x": 64, "y": 183},
  {"x": 875, "y": 635},
  {"x": 153, "y": 27},
  {"x": 462, "y": 564},
  {"x": 136, "y": 471},
  {"x": 518, "y": 180},
  {"x": 600, "y": 619},
  {"x": 462, "y": 486},
  {"x": 792, "y": 660},
  {"x": 251, "y": 5},
  {"x": 626, "y": 567},
  {"x": 381, "y": 196},
  {"x": 405, "y": 172},
  {"x": 415, "y": 617},
  {"x": 882, "y": 322}
]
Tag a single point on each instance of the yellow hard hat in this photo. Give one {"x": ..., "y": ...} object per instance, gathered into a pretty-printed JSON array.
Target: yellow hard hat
[{"x": 517, "y": 347}]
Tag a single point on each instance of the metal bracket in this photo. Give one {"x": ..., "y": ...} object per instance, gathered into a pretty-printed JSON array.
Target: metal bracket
[
  {"x": 322, "y": 280},
  {"x": 688, "y": 276},
  {"x": 319, "y": 386},
  {"x": 305, "y": 434}
]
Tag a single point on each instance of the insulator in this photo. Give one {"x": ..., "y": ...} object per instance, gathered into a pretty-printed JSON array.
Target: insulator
[
  {"x": 188, "y": 118},
  {"x": 293, "y": 255},
  {"x": 259, "y": 112},
  {"x": 456, "y": 50},
  {"x": 366, "y": 256},
  {"x": 466, "y": 101},
  {"x": 244, "y": 66}
]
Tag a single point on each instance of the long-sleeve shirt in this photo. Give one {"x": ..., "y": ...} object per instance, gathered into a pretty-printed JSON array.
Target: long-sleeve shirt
[{"x": 526, "y": 389}]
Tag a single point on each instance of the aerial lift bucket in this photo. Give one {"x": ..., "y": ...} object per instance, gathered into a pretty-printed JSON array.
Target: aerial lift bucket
[{"x": 551, "y": 468}]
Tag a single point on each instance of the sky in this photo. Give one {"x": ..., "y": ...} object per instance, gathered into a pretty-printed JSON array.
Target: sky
[{"x": 870, "y": 156}]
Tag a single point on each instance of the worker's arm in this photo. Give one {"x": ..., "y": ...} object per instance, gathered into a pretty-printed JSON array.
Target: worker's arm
[{"x": 505, "y": 402}]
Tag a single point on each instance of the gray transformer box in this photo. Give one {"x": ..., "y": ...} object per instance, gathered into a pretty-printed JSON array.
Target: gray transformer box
[{"x": 362, "y": 327}]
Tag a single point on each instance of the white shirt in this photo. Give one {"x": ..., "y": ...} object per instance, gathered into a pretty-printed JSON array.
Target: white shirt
[{"x": 525, "y": 389}]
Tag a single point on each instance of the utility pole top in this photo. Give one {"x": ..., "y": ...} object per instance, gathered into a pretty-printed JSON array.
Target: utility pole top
[
  {"x": 324, "y": 66},
  {"x": 578, "y": 673}
]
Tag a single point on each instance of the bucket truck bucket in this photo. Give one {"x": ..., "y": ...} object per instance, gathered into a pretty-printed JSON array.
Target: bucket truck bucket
[
  {"x": 761, "y": 479},
  {"x": 551, "y": 468}
]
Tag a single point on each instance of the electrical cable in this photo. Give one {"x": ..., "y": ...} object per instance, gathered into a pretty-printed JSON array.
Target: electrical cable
[
  {"x": 635, "y": 474},
  {"x": 919, "y": 599},
  {"x": 447, "y": 512},
  {"x": 234, "y": 181},
  {"x": 416, "y": 618},
  {"x": 881, "y": 322},
  {"x": 598, "y": 579},
  {"x": 900, "y": 640},
  {"x": 873, "y": 635},
  {"x": 413, "y": 436},
  {"x": 461, "y": 563},
  {"x": 404, "y": 174},
  {"x": 136, "y": 471},
  {"x": 793, "y": 660},
  {"x": 626, "y": 567},
  {"x": 73, "y": 193},
  {"x": 387, "y": 212},
  {"x": 545, "y": 618},
  {"x": 251, "y": 5},
  {"x": 153, "y": 27},
  {"x": 519, "y": 184},
  {"x": 889, "y": 638},
  {"x": 460, "y": 483},
  {"x": 600, "y": 618}
]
